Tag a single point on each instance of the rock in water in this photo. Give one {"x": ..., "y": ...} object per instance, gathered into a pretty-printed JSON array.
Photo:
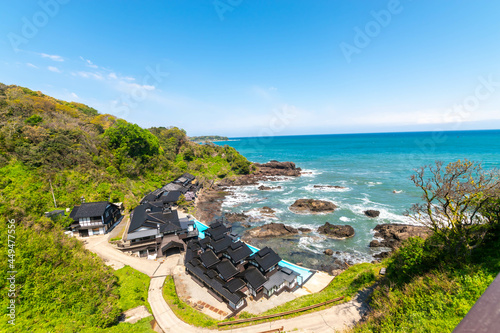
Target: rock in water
[
  {"x": 372, "y": 213},
  {"x": 271, "y": 230},
  {"x": 267, "y": 210},
  {"x": 236, "y": 217},
  {"x": 337, "y": 231},
  {"x": 306, "y": 206},
  {"x": 275, "y": 168},
  {"x": 328, "y": 252},
  {"x": 329, "y": 186},
  {"x": 268, "y": 188},
  {"x": 268, "y": 171}
]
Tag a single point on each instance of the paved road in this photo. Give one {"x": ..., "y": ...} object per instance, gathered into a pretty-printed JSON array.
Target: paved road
[
  {"x": 330, "y": 320},
  {"x": 100, "y": 246}
]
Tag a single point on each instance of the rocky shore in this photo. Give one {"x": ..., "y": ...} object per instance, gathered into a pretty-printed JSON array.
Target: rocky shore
[
  {"x": 393, "y": 235},
  {"x": 265, "y": 172},
  {"x": 209, "y": 202}
]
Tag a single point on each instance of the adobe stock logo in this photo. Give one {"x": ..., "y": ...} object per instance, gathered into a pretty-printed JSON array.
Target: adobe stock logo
[
  {"x": 363, "y": 37},
  {"x": 223, "y": 6},
  {"x": 31, "y": 27}
]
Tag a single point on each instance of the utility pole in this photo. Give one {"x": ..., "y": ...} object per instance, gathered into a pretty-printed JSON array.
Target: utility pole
[{"x": 52, "y": 190}]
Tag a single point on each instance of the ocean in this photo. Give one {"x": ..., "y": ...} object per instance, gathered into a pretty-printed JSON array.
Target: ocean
[{"x": 370, "y": 167}]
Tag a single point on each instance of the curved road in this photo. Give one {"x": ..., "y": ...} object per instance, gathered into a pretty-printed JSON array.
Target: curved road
[{"x": 333, "y": 319}]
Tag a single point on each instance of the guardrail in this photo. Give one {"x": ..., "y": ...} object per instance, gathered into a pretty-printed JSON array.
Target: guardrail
[
  {"x": 484, "y": 316},
  {"x": 279, "y": 314}
]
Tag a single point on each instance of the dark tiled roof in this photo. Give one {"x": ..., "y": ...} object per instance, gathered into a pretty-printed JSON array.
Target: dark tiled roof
[
  {"x": 171, "y": 196},
  {"x": 217, "y": 229},
  {"x": 239, "y": 253},
  {"x": 221, "y": 244},
  {"x": 226, "y": 269},
  {"x": 209, "y": 258},
  {"x": 254, "y": 277},
  {"x": 236, "y": 245},
  {"x": 152, "y": 196},
  {"x": 279, "y": 278},
  {"x": 234, "y": 285},
  {"x": 148, "y": 215},
  {"x": 171, "y": 187},
  {"x": 215, "y": 283},
  {"x": 266, "y": 258},
  {"x": 189, "y": 255},
  {"x": 204, "y": 242},
  {"x": 211, "y": 273},
  {"x": 188, "y": 176},
  {"x": 73, "y": 212},
  {"x": 90, "y": 209},
  {"x": 194, "y": 245},
  {"x": 195, "y": 262}
]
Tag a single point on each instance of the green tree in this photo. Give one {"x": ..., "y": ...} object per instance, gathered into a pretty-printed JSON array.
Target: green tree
[
  {"x": 130, "y": 140},
  {"x": 453, "y": 198}
]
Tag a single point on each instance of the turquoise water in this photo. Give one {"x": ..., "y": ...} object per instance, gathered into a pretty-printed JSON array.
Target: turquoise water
[{"x": 370, "y": 167}]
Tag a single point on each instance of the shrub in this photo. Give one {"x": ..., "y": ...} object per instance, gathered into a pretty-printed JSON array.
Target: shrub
[
  {"x": 409, "y": 260},
  {"x": 34, "y": 120}
]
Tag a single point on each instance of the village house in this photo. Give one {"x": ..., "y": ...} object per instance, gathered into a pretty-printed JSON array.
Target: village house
[
  {"x": 266, "y": 261},
  {"x": 230, "y": 270},
  {"x": 155, "y": 227},
  {"x": 94, "y": 218}
]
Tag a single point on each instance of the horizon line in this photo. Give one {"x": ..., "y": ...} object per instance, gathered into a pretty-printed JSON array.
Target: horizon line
[{"x": 359, "y": 133}]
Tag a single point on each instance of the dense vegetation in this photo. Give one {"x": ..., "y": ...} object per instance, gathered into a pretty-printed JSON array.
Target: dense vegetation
[
  {"x": 69, "y": 148},
  {"x": 432, "y": 284},
  {"x": 208, "y": 138},
  {"x": 133, "y": 288}
]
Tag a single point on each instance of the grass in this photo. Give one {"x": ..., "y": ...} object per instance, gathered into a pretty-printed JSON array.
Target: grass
[
  {"x": 133, "y": 292},
  {"x": 347, "y": 284},
  {"x": 142, "y": 326},
  {"x": 182, "y": 310},
  {"x": 132, "y": 288},
  {"x": 434, "y": 300}
]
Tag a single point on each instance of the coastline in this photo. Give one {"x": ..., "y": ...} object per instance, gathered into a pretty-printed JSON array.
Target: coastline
[{"x": 300, "y": 248}]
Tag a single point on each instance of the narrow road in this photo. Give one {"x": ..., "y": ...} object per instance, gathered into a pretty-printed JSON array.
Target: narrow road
[{"x": 333, "y": 319}]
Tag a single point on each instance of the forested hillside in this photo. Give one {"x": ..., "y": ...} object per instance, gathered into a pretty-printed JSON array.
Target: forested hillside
[{"x": 48, "y": 144}]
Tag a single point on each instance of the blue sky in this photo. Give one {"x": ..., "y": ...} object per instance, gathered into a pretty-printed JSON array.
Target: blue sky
[{"x": 251, "y": 68}]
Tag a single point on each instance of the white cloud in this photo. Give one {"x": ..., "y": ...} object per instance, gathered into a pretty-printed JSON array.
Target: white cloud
[
  {"x": 31, "y": 65},
  {"x": 89, "y": 75},
  {"x": 89, "y": 63},
  {"x": 74, "y": 95},
  {"x": 53, "y": 69},
  {"x": 112, "y": 76},
  {"x": 52, "y": 57},
  {"x": 129, "y": 87}
]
